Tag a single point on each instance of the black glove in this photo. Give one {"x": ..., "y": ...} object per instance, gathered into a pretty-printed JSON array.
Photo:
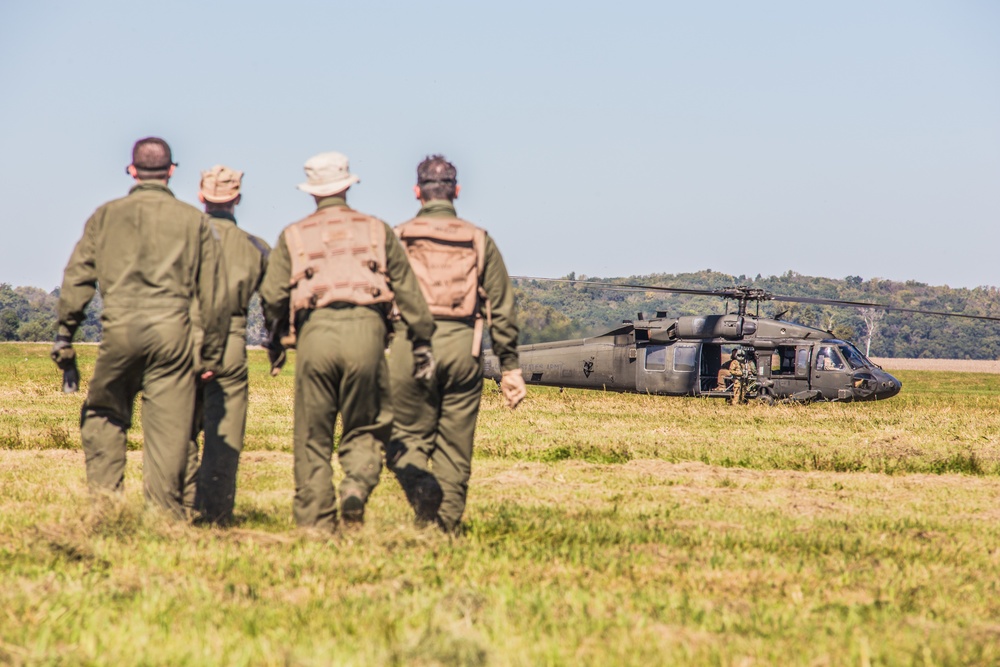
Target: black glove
[
  {"x": 277, "y": 335},
  {"x": 71, "y": 379},
  {"x": 277, "y": 355},
  {"x": 423, "y": 362},
  {"x": 65, "y": 357}
]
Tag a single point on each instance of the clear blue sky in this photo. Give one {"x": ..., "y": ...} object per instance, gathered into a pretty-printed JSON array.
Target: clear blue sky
[{"x": 831, "y": 139}]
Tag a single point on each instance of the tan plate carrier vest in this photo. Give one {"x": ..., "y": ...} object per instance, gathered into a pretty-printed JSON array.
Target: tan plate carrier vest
[
  {"x": 448, "y": 257},
  {"x": 338, "y": 256}
]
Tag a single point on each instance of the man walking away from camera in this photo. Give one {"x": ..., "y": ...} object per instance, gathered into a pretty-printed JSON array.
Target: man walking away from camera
[
  {"x": 151, "y": 255},
  {"x": 221, "y": 403},
  {"x": 465, "y": 282},
  {"x": 330, "y": 284}
]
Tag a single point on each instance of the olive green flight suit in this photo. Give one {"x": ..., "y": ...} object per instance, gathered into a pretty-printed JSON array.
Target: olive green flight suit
[
  {"x": 737, "y": 370},
  {"x": 221, "y": 404},
  {"x": 435, "y": 424},
  {"x": 340, "y": 366},
  {"x": 151, "y": 254}
]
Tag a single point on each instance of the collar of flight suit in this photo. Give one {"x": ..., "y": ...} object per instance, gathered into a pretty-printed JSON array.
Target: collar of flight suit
[
  {"x": 151, "y": 185},
  {"x": 224, "y": 215},
  {"x": 437, "y": 208},
  {"x": 327, "y": 202}
]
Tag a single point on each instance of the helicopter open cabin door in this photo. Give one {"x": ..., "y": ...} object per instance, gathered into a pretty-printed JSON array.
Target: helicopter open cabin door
[
  {"x": 668, "y": 369},
  {"x": 790, "y": 369}
]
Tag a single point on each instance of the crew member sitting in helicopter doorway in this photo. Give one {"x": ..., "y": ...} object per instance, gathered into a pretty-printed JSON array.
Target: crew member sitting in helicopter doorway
[{"x": 725, "y": 372}]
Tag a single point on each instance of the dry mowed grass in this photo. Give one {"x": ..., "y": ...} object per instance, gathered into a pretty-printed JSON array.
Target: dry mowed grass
[
  {"x": 952, "y": 365},
  {"x": 601, "y": 529}
]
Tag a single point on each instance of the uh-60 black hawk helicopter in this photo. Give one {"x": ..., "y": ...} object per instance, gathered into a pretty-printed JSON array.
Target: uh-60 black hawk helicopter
[{"x": 683, "y": 356}]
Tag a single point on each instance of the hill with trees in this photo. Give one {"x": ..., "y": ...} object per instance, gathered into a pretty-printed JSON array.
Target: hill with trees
[
  {"x": 554, "y": 311},
  {"x": 31, "y": 313}
]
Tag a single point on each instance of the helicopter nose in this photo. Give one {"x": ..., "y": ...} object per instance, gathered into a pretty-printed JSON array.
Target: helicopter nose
[{"x": 889, "y": 386}]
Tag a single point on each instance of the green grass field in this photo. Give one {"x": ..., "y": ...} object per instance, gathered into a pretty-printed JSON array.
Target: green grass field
[{"x": 602, "y": 529}]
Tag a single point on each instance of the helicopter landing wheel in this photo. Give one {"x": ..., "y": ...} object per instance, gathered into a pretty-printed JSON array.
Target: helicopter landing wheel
[{"x": 765, "y": 396}]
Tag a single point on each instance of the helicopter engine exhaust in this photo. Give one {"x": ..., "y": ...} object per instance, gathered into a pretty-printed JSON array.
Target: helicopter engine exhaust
[{"x": 732, "y": 327}]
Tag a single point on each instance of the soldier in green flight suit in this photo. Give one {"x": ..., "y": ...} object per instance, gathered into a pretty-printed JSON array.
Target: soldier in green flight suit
[
  {"x": 330, "y": 283},
  {"x": 150, "y": 254},
  {"x": 464, "y": 280},
  {"x": 221, "y": 405},
  {"x": 737, "y": 369},
  {"x": 744, "y": 371}
]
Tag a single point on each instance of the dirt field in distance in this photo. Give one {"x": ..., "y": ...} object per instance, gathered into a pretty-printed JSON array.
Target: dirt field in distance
[{"x": 954, "y": 365}]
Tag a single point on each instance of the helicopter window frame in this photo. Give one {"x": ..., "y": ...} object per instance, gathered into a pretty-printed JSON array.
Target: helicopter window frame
[
  {"x": 655, "y": 359},
  {"x": 832, "y": 353},
  {"x": 682, "y": 357},
  {"x": 855, "y": 358},
  {"x": 801, "y": 362}
]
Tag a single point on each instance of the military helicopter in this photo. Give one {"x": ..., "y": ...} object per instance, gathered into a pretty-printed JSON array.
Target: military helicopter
[{"x": 683, "y": 356}]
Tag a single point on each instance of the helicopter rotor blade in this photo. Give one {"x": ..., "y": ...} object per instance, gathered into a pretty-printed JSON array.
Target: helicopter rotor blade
[
  {"x": 753, "y": 294},
  {"x": 879, "y": 306}
]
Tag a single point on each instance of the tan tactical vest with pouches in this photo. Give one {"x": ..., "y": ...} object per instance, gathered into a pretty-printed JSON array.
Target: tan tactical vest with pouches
[
  {"x": 447, "y": 256},
  {"x": 338, "y": 256}
]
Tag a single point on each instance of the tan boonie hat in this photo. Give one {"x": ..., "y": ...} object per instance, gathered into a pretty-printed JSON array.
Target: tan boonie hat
[
  {"x": 220, "y": 184},
  {"x": 327, "y": 174}
]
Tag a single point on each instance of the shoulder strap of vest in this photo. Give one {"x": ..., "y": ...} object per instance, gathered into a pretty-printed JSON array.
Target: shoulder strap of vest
[
  {"x": 405, "y": 229},
  {"x": 432, "y": 226}
]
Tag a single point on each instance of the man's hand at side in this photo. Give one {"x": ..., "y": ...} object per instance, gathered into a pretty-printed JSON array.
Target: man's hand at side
[
  {"x": 65, "y": 357},
  {"x": 423, "y": 362},
  {"x": 512, "y": 386}
]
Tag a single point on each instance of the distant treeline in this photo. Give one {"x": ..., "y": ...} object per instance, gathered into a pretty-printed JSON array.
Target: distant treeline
[
  {"x": 554, "y": 311},
  {"x": 30, "y": 314}
]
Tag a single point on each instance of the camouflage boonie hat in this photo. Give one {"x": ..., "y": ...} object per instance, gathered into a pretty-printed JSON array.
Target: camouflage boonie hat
[{"x": 220, "y": 184}]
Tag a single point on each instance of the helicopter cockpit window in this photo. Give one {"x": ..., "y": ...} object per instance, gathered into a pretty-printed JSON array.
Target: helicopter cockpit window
[
  {"x": 828, "y": 359},
  {"x": 656, "y": 358},
  {"x": 854, "y": 357},
  {"x": 685, "y": 358}
]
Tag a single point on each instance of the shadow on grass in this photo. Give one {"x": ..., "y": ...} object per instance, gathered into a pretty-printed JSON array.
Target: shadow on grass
[
  {"x": 588, "y": 453},
  {"x": 966, "y": 463},
  {"x": 258, "y": 518}
]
